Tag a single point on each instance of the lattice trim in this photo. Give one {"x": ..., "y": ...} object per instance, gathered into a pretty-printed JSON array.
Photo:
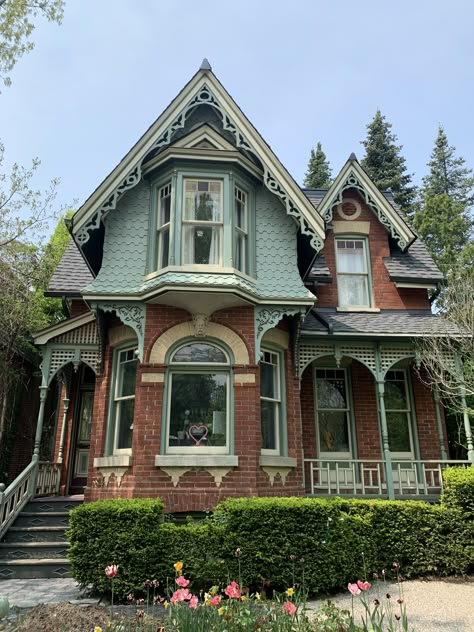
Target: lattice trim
[{"x": 85, "y": 335}]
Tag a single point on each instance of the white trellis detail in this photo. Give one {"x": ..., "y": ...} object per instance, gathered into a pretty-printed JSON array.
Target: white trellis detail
[
  {"x": 85, "y": 335},
  {"x": 60, "y": 357},
  {"x": 92, "y": 358},
  {"x": 391, "y": 355}
]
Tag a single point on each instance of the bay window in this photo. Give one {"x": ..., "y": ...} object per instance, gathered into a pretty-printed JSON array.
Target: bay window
[
  {"x": 352, "y": 267},
  {"x": 203, "y": 222},
  {"x": 198, "y": 410}
]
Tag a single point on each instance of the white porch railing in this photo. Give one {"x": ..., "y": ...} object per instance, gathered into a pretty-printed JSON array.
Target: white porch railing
[
  {"x": 366, "y": 477},
  {"x": 15, "y": 496},
  {"x": 47, "y": 481},
  {"x": 37, "y": 479}
]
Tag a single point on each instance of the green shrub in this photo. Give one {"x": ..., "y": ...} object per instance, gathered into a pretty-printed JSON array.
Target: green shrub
[
  {"x": 118, "y": 532},
  {"x": 269, "y": 531},
  {"x": 459, "y": 489},
  {"x": 340, "y": 540}
]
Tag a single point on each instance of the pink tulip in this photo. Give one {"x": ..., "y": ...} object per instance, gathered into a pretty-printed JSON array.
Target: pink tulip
[
  {"x": 215, "y": 601},
  {"x": 111, "y": 571},
  {"x": 363, "y": 585},
  {"x": 289, "y": 607},
  {"x": 233, "y": 590},
  {"x": 353, "y": 589},
  {"x": 182, "y": 582},
  {"x": 182, "y": 594},
  {"x": 193, "y": 602}
]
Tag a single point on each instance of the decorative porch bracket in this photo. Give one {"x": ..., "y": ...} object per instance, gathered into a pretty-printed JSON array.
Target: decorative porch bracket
[
  {"x": 267, "y": 317},
  {"x": 131, "y": 314}
]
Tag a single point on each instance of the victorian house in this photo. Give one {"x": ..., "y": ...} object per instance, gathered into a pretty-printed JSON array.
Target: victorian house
[{"x": 231, "y": 333}]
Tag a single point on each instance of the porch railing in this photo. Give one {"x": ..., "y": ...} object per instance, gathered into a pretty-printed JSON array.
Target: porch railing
[
  {"x": 364, "y": 477},
  {"x": 37, "y": 479},
  {"x": 15, "y": 496}
]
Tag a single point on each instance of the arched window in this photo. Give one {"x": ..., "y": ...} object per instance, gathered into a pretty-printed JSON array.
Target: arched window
[{"x": 198, "y": 410}]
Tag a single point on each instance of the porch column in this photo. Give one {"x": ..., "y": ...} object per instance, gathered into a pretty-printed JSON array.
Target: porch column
[
  {"x": 439, "y": 423},
  {"x": 39, "y": 427},
  {"x": 465, "y": 414},
  {"x": 385, "y": 442},
  {"x": 66, "y": 402}
]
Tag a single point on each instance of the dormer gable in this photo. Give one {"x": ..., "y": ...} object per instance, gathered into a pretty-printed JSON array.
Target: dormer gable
[
  {"x": 203, "y": 90},
  {"x": 353, "y": 176}
]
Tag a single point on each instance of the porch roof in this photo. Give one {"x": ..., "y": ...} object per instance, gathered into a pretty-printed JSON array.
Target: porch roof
[{"x": 407, "y": 323}]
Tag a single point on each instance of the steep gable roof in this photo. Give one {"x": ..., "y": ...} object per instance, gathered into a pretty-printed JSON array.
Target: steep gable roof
[
  {"x": 71, "y": 275},
  {"x": 352, "y": 176},
  {"x": 203, "y": 89}
]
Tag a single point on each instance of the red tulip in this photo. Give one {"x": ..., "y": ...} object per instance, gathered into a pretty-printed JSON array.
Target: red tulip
[{"x": 111, "y": 571}]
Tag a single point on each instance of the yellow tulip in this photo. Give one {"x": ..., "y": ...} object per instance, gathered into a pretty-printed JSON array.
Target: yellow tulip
[
  {"x": 221, "y": 611},
  {"x": 290, "y": 592},
  {"x": 178, "y": 567}
]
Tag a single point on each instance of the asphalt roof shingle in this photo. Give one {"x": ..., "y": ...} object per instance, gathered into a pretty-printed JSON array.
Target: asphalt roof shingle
[
  {"x": 406, "y": 322},
  {"x": 72, "y": 273}
]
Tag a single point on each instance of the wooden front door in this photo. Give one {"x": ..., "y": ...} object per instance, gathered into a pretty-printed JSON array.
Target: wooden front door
[{"x": 82, "y": 432}]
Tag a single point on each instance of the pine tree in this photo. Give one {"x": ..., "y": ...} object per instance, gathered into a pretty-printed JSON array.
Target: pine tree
[
  {"x": 443, "y": 219},
  {"x": 448, "y": 173},
  {"x": 318, "y": 175},
  {"x": 385, "y": 165}
]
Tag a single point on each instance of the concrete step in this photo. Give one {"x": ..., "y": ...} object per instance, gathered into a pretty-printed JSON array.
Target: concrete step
[
  {"x": 32, "y": 550},
  {"x": 35, "y": 568},
  {"x": 35, "y": 534},
  {"x": 48, "y": 505},
  {"x": 50, "y": 519}
]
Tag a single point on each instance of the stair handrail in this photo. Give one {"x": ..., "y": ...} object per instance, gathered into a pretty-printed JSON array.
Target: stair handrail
[{"x": 16, "y": 495}]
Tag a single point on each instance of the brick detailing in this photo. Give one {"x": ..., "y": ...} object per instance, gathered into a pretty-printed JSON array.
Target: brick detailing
[
  {"x": 385, "y": 294},
  {"x": 428, "y": 436}
]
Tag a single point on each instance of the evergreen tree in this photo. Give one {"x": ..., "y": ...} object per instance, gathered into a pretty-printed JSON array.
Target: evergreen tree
[
  {"x": 443, "y": 218},
  {"x": 448, "y": 173},
  {"x": 318, "y": 175},
  {"x": 385, "y": 165}
]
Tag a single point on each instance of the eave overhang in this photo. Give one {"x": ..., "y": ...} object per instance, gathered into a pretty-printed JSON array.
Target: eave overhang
[
  {"x": 203, "y": 88},
  {"x": 43, "y": 336},
  {"x": 352, "y": 176}
]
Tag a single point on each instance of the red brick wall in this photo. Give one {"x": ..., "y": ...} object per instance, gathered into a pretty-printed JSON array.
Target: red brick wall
[
  {"x": 425, "y": 410},
  {"x": 364, "y": 400},
  {"x": 386, "y": 295},
  {"x": 196, "y": 489}
]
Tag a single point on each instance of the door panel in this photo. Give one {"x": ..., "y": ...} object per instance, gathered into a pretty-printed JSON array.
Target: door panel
[{"x": 81, "y": 440}]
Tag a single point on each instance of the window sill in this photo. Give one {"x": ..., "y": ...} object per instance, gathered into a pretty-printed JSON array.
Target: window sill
[
  {"x": 117, "y": 465},
  {"x": 199, "y": 269},
  {"x": 271, "y": 460},
  {"x": 373, "y": 310},
  {"x": 177, "y": 465}
]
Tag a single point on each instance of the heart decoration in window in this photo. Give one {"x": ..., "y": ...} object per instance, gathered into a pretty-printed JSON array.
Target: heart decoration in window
[{"x": 198, "y": 433}]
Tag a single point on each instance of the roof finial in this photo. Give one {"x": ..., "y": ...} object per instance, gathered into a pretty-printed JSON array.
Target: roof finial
[
  {"x": 353, "y": 157},
  {"x": 205, "y": 65}
]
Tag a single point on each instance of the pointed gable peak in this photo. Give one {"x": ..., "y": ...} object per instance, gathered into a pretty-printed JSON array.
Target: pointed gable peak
[
  {"x": 353, "y": 176},
  {"x": 353, "y": 157},
  {"x": 205, "y": 65}
]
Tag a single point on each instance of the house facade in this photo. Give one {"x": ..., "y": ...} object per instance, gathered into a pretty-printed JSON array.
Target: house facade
[{"x": 233, "y": 334}]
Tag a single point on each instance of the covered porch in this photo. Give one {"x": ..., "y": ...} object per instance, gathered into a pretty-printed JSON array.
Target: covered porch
[{"x": 371, "y": 426}]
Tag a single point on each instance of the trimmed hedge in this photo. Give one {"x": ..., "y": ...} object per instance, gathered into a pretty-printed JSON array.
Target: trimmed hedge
[
  {"x": 338, "y": 539},
  {"x": 120, "y": 531},
  {"x": 459, "y": 489}
]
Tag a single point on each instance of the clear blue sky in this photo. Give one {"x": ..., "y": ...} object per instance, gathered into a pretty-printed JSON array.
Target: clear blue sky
[{"x": 301, "y": 70}]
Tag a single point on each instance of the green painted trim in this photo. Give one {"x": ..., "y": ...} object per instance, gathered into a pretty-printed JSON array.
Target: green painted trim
[
  {"x": 413, "y": 419},
  {"x": 370, "y": 288},
  {"x": 170, "y": 368},
  {"x": 283, "y": 429},
  {"x": 110, "y": 432}
]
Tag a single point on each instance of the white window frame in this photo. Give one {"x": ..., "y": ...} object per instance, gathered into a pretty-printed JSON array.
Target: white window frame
[
  {"x": 408, "y": 412},
  {"x": 240, "y": 195},
  {"x": 118, "y": 399},
  {"x": 186, "y": 223},
  {"x": 164, "y": 192},
  {"x": 276, "y": 401},
  {"x": 192, "y": 368},
  {"x": 365, "y": 274},
  {"x": 340, "y": 456}
]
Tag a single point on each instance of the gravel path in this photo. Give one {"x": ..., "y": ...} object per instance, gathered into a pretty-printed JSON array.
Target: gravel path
[{"x": 432, "y": 606}]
